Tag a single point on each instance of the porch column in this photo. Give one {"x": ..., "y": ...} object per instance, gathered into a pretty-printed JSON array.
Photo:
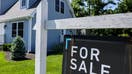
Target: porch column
[
  {"x": 41, "y": 38},
  {"x": 2, "y": 33},
  {"x": 30, "y": 35}
]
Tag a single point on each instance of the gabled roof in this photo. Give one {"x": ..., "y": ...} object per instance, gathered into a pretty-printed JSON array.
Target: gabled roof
[
  {"x": 35, "y": 4},
  {"x": 15, "y": 13}
]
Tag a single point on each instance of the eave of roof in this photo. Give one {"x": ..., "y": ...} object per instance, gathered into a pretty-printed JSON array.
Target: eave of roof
[{"x": 15, "y": 13}]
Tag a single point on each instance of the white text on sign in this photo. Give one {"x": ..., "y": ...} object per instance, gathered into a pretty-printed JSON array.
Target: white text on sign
[{"x": 94, "y": 55}]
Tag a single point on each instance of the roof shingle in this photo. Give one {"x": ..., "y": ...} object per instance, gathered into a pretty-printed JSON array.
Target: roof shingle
[{"x": 16, "y": 13}]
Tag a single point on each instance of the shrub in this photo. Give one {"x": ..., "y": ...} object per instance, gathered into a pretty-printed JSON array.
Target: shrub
[
  {"x": 58, "y": 49},
  {"x": 1, "y": 47},
  {"x": 18, "y": 49},
  {"x": 6, "y": 47}
]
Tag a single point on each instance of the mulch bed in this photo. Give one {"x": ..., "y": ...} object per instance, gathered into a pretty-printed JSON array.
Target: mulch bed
[
  {"x": 8, "y": 55},
  {"x": 29, "y": 56}
]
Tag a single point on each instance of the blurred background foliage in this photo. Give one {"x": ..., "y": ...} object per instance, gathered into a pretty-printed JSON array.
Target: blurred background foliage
[{"x": 84, "y": 8}]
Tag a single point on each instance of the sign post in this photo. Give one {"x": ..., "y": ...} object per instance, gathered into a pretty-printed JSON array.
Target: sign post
[
  {"x": 41, "y": 38},
  {"x": 114, "y": 21}
]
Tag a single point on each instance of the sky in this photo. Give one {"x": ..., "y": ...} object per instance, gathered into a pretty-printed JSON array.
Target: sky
[{"x": 109, "y": 6}]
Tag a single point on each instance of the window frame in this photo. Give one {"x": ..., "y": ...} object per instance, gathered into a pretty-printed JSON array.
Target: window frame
[
  {"x": 20, "y": 29},
  {"x": 21, "y": 4},
  {"x": 14, "y": 30},
  {"x": 57, "y": 6},
  {"x": 60, "y": 7},
  {"x": 17, "y": 29},
  {"x": 63, "y": 7}
]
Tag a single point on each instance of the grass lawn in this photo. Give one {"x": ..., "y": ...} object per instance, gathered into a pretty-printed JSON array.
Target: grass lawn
[{"x": 54, "y": 65}]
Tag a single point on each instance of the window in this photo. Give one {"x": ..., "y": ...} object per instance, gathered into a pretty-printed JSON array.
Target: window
[
  {"x": 59, "y": 6},
  {"x": 62, "y": 7},
  {"x": 20, "y": 29},
  {"x": 14, "y": 25},
  {"x": 17, "y": 29},
  {"x": 23, "y": 3}
]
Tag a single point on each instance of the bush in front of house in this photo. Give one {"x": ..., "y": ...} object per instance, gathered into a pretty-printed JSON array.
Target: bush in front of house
[
  {"x": 58, "y": 49},
  {"x": 6, "y": 47},
  {"x": 1, "y": 47},
  {"x": 18, "y": 49}
]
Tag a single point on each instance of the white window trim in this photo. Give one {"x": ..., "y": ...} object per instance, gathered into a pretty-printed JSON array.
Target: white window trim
[
  {"x": 17, "y": 28},
  {"x": 55, "y": 6},
  {"x": 59, "y": 6},
  {"x": 26, "y": 6},
  {"x": 30, "y": 36}
]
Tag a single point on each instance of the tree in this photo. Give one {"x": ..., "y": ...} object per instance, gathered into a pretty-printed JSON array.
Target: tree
[
  {"x": 96, "y": 7},
  {"x": 129, "y": 4},
  {"x": 18, "y": 48},
  {"x": 79, "y": 8},
  {"x": 122, "y": 7},
  {"x": 89, "y": 7}
]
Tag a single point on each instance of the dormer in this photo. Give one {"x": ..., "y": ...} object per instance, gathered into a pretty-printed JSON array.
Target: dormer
[
  {"x": 23, "y": 4},
  {"x": 26, "y": 4}
]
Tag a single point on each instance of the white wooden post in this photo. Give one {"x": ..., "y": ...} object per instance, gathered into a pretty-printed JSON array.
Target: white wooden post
[
  {"x": 30, "y": 35},
  {"x": 41, "y": 38},
  {"x": 114, "y": 21}
]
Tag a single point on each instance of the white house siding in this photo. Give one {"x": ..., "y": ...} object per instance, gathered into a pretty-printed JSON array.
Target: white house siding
[{"x": 1, "y": 33}]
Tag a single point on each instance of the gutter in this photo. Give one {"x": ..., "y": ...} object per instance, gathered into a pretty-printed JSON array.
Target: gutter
[
  {"x": 16, "y": 19},
  {"x": 19, "y": 18}
]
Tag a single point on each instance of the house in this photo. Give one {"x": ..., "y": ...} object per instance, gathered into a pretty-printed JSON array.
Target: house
[{"x": 19, "y": 19}]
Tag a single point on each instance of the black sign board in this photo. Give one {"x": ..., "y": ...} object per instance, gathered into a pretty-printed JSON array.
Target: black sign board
[{"x": 97, "y": 55}]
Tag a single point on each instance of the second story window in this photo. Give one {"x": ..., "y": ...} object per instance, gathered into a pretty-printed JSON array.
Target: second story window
[
  {"x": 23, "y": 3},
  {"x": 62, "y": 7},
  {"x": 59, "y": 6}
]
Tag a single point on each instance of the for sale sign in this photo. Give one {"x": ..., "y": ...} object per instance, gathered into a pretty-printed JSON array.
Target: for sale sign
[{"x": 84, "y": 55}]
